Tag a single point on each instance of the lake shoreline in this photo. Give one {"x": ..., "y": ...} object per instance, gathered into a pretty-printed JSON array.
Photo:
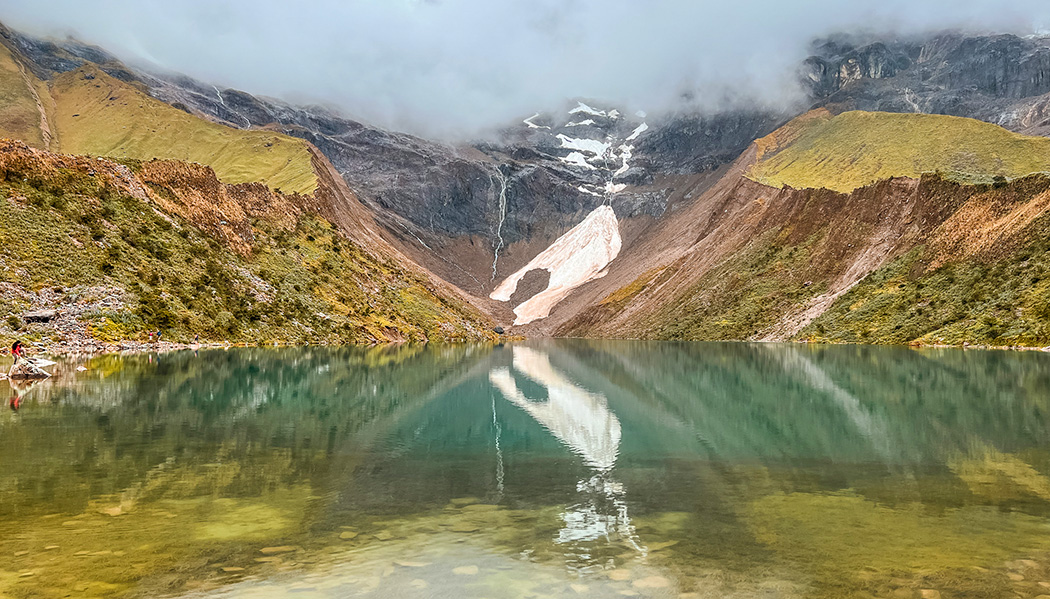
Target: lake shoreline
[{"x": 143, "y": 347}]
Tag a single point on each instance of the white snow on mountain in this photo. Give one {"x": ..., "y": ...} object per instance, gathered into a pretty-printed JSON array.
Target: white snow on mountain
[
  {"x": 626, "y": 151},
  {"x": 591, "y": 146},
  {"x": 577, "y": 159},
  {"x": 532, "y": 125},
  {"x": 581, "y": 107},
  {"x": 638, "y": 131},
  {"x": 578, "y": 256},
  {"x": 582, "y": 253}
]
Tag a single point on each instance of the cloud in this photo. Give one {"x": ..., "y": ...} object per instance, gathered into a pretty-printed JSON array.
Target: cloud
[{"x": 454, "y": 68}]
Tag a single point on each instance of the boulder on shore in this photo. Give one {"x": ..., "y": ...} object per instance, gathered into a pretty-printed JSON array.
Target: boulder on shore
[
  {"x": 25, "y": 369},
  {"x": 39, "y": 316}
]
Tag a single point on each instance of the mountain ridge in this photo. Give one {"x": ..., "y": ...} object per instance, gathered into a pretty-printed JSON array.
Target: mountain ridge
[{"x": 677, "y": 185}]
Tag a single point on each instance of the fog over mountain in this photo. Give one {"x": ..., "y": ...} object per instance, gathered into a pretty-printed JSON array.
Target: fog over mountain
[{"x": 455, "y": 68}]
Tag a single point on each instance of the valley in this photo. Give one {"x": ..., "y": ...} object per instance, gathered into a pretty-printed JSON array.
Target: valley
[{"x": 745, "y": 224}]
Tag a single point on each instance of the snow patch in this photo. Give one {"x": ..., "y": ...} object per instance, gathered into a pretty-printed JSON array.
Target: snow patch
[
  {"x": 532, "y": 125},
  {"x": 576, "y": 159},
  {"x": 581, "y": 123},
  {"x": 578, "y": 256},
  {"x": 614, "y": 114},
  {"x": 611, "y": 187},
  {"x": 638, "y": 131},
  {"x": 592, "y": 146},
  {"x": 581, "y": 107},
  {"x": 585, "y": 190},
  {"x": 626, "y": 151}
]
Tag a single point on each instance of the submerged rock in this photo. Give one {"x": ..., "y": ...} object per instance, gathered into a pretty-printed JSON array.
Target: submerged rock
[
  {"x": 652, "y": 582},
  {"x": 278, "y": 549}
]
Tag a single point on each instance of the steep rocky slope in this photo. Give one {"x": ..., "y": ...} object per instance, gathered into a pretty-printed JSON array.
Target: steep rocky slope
[
  {"x": 452, "y": 207},
  {"x": 932, "y": 256},
  {"x": 176, "y": 250},
  {"x": 1002, "y": 79}
]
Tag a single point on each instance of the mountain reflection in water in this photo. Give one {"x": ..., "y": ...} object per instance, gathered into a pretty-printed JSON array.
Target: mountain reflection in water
[
  {"x": 583, "y": 423},
  {"x": 546, "y": 469}
]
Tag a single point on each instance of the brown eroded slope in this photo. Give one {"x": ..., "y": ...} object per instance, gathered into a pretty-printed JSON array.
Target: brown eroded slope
[
  {"x": 163, "y": 245},
  {"x": 749, "y": 261}
]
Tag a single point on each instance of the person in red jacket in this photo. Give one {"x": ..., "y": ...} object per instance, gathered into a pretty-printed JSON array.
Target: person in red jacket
[{"x": 17, "y": 351}]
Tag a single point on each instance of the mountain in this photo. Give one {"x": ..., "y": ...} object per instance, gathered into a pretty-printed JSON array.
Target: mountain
[
  {"x": 911, "y": 158},
  {"x": 911, "y": 255},
  {"x": 191, "y": 227}
]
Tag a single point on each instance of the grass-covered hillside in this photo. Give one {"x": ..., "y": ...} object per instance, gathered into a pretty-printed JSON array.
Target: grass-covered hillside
[
  {"x": 99, "y": 115},
  {"x": 931, "y": 261},
  {"x": 125, "y": 248},
  {"x": 854, "y": 149},
  {"x": 19, "y": 109},
  {"x": 983, "y": 276},
  {"x": 86, "y": 111}
]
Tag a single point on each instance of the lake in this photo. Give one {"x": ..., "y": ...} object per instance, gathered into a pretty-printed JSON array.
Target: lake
[{"x": 529, "y": 470}]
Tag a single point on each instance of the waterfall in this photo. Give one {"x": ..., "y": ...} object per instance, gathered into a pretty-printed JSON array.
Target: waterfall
[{"x": 502, "y": 216}]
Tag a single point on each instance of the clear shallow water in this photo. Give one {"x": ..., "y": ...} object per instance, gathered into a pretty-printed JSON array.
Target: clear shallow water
[{"x": 540, "y": 469}]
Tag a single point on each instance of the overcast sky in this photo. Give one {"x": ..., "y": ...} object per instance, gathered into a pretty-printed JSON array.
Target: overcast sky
[{"x": 453, "y": 68}]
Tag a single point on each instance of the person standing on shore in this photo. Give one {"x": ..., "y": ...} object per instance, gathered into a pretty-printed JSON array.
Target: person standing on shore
[{"x": 17, "y": 350}]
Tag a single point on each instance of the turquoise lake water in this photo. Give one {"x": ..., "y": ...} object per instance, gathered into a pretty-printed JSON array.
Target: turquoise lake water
[{"x": 535, "y": 469}]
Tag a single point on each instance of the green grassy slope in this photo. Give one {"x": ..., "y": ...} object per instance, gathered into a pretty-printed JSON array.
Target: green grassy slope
[
  {"x": 68, "y": 230},
  {"x": 856, "y": 148},
  {"x": 964, "y": 263},
  {"x": 100, "y": 115},
  {"x": 19, "y": 114},
  {"x": 1005, "y": 301}
]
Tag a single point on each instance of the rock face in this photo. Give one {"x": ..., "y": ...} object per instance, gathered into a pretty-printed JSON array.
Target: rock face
[{"x": 1001, "y": 79}]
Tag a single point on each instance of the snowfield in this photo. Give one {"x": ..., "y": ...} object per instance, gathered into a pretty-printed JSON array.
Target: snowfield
[
  {"x": 578, "y": 256},
  {"x": 591, "y": 146}
]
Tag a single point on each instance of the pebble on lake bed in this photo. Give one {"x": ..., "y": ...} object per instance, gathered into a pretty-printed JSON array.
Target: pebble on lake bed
[
  {"x": 464, "y": 528},
  {"x": 652, "y": 582},
  {"x": 480, "y": 507},
  {"x": 462, "y": 501},
  {"x": 465, "y": 570},
  {"x": 278, "y": 549},
  {"x": 347, "y": 535}
]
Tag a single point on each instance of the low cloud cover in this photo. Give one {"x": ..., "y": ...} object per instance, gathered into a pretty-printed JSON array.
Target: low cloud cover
[{"x": 454, "y": 68}]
